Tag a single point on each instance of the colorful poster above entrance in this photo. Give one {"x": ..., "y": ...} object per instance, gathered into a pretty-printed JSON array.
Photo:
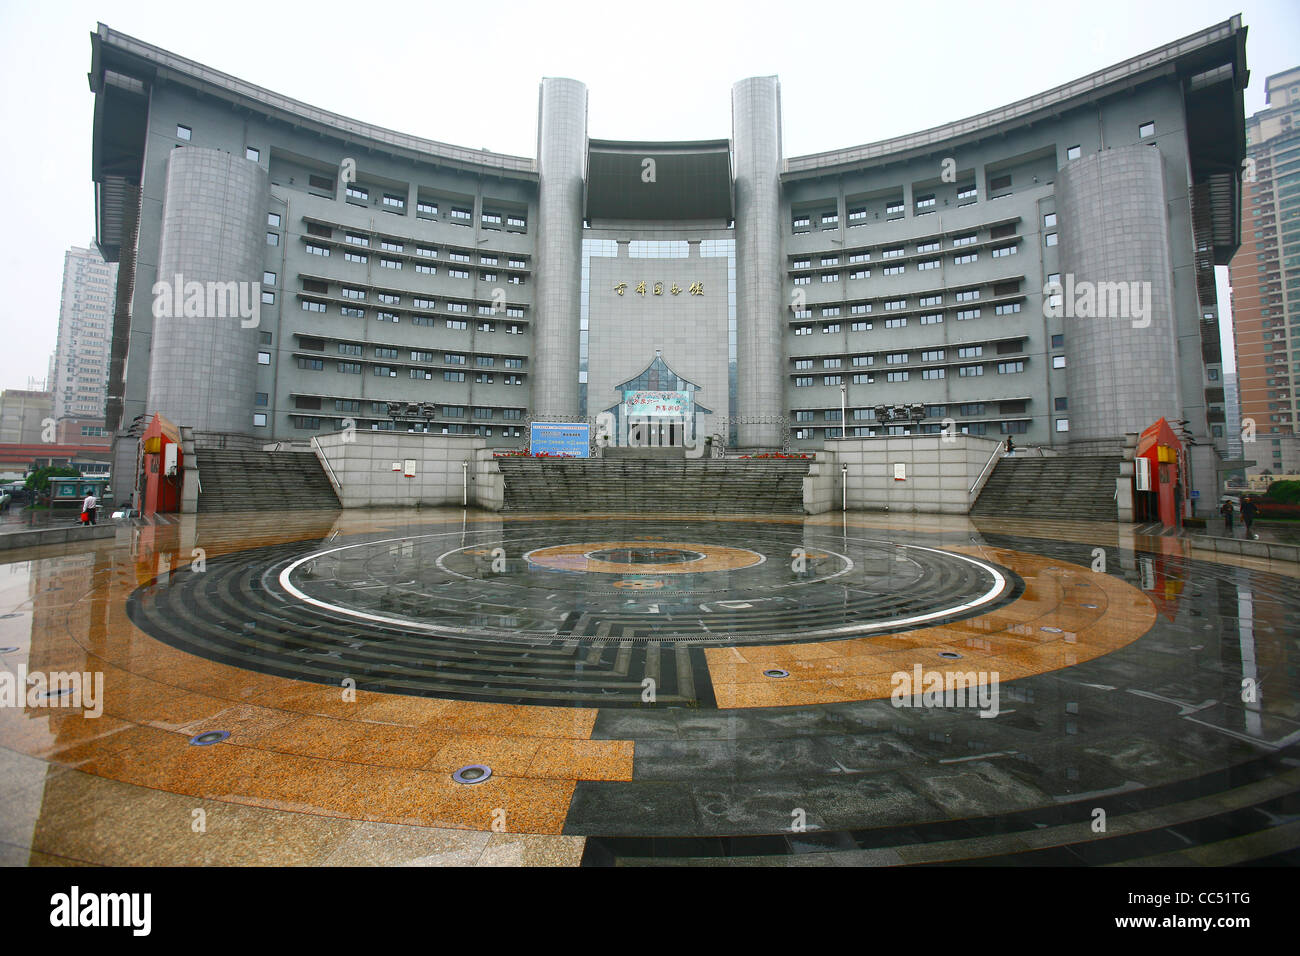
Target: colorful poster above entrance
[
  {"x": 572, "y": 439},
  {"x": 657, "y": 404}
]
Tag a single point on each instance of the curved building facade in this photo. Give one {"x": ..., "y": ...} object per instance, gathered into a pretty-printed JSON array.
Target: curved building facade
[
  {"x": 207, "y": 299},
  {"x": 778, "y": 295}
]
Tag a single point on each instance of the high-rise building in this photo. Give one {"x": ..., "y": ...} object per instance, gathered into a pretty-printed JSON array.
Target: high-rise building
[
  {"x": 79, "y": 368},
  {"x": 1266, "y": 276},
  {"x": 1043, "y": 270}
]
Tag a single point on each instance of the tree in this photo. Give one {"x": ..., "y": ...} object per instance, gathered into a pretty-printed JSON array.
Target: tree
[
  {"x": 1286, "y": 492},
  {"x": 39, "y": 480}
]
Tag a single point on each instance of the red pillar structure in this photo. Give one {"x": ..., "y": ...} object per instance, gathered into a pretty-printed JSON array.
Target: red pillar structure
[
  {"x": 1165, "y": 496},
  {"x": 160, "y": 459}
]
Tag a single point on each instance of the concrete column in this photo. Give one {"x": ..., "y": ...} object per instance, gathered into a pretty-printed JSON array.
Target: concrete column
[
  {"x": 1122, "y": 369},
  {"x": 561, "y": 164},
  {"x": 760, "y": 325},
  {"x": 203, "y": 365}
]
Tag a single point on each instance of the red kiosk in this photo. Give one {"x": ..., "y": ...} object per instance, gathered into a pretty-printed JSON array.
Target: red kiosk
[
  {"x": 160, "y": 467},
  {"x": 1160, "y": 477}
]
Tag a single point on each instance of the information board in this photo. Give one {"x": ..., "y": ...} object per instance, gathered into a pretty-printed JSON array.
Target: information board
[
  {"x": 561, "y": 438},
  {"x": 657, "y": 404}
]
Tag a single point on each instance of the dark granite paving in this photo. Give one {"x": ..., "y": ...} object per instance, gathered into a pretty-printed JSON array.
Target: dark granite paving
[{"x": 474, "y": 615}]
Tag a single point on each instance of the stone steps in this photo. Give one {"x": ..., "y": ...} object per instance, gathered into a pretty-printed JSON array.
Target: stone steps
[
  {"x": 707, "y": 486},
  {"x": 244, "y": 480},
  {"x": 1069, "y": 486}
]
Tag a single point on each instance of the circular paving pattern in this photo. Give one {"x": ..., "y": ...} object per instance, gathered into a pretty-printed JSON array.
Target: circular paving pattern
[{"x": 576, "y": 612}]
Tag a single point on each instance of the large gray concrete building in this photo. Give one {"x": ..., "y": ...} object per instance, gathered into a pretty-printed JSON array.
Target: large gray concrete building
[{"x": 1044, "y": 270}]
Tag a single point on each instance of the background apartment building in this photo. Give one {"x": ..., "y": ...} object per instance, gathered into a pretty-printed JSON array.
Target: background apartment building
[{"x": 1266, "y": 277}]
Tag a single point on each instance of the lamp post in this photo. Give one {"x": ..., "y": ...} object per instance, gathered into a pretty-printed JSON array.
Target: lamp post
[{"x": 844, "y": 421}]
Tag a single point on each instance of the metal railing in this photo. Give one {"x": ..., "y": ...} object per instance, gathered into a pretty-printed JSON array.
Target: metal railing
[
  {"x": 980, "y": 477},
  {"x": 329, "y": 469}
]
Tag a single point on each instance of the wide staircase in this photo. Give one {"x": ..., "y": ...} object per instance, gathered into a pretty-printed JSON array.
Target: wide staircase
[
  {"x": 621, "y": 485},
  {"x": 1068, "y": 486},
  {"x": 246, "y": 480}
]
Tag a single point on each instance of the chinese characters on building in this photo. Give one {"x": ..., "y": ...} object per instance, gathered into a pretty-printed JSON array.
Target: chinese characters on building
[{"x": 643, "y": 288}]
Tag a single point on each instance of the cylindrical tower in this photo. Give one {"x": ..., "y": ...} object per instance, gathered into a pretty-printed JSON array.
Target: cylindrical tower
[
  {"x": 561, "y": 162},
  {"x": 203, "y": 364},
  {"x": 760, "y": 341},
  {"x": 1120, "y": 332}
]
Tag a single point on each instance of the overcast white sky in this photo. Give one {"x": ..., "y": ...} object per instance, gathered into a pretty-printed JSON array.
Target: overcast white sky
[{"x": 467, "y": 73}]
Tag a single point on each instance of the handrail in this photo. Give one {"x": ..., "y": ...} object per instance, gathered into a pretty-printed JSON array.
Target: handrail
[
  {"x": 329, "y": 469},
  {"x": 996, "y": 452}
]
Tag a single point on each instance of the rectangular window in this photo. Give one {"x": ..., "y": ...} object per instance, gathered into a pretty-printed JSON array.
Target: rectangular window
[
  {"x": 894, "y": 270},
  {"x": 895, "y": 304},
  {"x": 860, "y": 327},
  {"x": 897, "y": 376},
  {"x": 967, "y": 192},
  {"x": 927, "y": 264},
  {"x": 350, "y": 256},
  {"x": 390, "y": 263},
  {"x": 1007, "y": 308},
  {"x": 1049, "y": 220},
  {"x": 259, "y": 419},
  {"x": 932, "y": 373},
  {"x": 1000, "y": 182},
  {"x": 969, "y": 371},
  {"x": 311, "y": 364},
  {"x": 185, "y": 133},
  {"x": 309, "y": 306},
  {"x": 935, "y": 355},
  {"x": 1058, "y": 361},
  {"x": 1062, "y": 424},
  {"x": 932, "y": 318},
  {"x": 1004, "y": 251},
  {"x": 272, "y": 239},
  {"x": 860, "y": 360},
  {"x": 802, "y": 381},
  {"x": 354, "y": 239},
  {"x": 970, "y": 351},
  {"x": 1073, "y": 152},
  {"x": 864, "y": 378},
  {"x": 315, "y": 250},
  {"x": 252, "y": 153},
  {"x": 832, "y": 379},
  {"x": 1050, "y": 239},
  {"x": 896, "y": 358},
  {"x": 895, "y": 323},
  {"x": 357, "y": 192},
  {"x": 967, "y": 295},
  {"x": 969, "y": 239},
  {"x": 893, "y": 253},
  {"x": 965, "y": 258},
  {"x": 1146, "y": 129},
  {"x": 1010, "y": 368},
  {"x": 351, "y": 367},
  {"x": 925, "y": 202},
  {"x": 450, "y": 376},
  {"x": 426, "y": 208}
]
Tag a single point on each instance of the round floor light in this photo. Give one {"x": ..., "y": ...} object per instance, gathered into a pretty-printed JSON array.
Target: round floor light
[
  {"x": 48, "y": 694},
  {"x": 209, "y": 737},
  {"x": 950, "y": 655},
  {"x": 1052, "y": 630},
  {"x": 776, "y": 673},
  {"x": 474, "y": 773},
  {"x": 1090, "y": 607}
]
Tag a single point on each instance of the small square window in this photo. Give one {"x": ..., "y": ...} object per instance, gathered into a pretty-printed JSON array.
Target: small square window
[
  {"x": 263, "y": 358},
  {"x": 259, "y": 419},
  {"x": 1072, "y": 152},
  {"x": 1147, "y": 129},
  {"x": 1051, "y": 239},
  {"x": 184, "y": 132},
  {"x": 261, "y": 399},
  {"x": 1062, "y": 404},
  {"x": 1049, "y": 220},
  {"x": 268, "y": 278},
  {"x": 1062, "y": 424},
  {"x": 1058, "y": 361},
  {"x": 273, "y": 219},
  {"x": 264, "y": 338},
  {"x": 1058, "y": 341},
  {"x": 252, "y": 153},
  {"x": 272, "y": 239}
]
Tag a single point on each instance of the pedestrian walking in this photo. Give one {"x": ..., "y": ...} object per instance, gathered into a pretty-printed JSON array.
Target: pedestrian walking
[
  {"x": 88, "y": 507},
  {"x": 1248, "y": 512},
  {"x": 1226, "y": 511}
]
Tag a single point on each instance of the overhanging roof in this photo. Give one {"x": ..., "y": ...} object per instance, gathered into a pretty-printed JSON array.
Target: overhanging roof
[{"x": 686, "y": 181}]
